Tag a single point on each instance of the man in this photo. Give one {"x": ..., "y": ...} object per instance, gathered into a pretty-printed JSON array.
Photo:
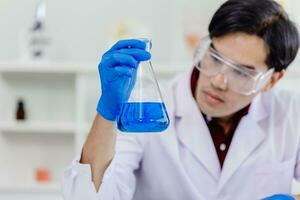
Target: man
[{"x": 231, "y": 135}]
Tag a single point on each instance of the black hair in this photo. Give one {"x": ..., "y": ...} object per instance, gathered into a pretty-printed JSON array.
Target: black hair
[{"x": 264, "y": 18}]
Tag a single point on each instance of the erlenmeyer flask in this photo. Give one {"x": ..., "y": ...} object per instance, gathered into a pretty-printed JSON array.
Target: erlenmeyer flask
[{"x": 145, "y": 110}]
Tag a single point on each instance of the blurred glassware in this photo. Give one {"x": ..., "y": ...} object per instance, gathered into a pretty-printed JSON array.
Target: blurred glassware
[
  {"x": 42, "y": 175},
  {"x": 35, "y": 42},
  {"x": 20, "y": 111}
]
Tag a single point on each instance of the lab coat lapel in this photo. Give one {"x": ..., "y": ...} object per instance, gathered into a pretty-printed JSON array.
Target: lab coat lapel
[
  {"x": 247, "y": 137},
  {"x": 192, "y": 130}
]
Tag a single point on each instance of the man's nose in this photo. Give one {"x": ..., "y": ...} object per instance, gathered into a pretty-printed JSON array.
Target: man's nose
[{"x": 219, "y": 81}]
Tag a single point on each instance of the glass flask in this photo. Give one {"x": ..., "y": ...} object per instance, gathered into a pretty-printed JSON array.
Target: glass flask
[{"x": 145, "y": 110}]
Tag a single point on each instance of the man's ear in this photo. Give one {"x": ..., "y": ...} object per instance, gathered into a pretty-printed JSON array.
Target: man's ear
[{"x": 274, "y": 79}]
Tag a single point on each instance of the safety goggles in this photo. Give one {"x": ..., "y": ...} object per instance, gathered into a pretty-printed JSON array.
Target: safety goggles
[{"x": 238, "y": 78}]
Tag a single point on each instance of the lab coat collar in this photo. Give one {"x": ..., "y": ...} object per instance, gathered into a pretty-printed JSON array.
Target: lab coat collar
[
  {"x": 248, "y": 136},
  {"x": 183, "y": 95},
  {"x": 258, "y": 110},
  {"x": 193, "y": 132},
  {"x": 246, "y": 140},
  {"x": 191, "y": 128}
]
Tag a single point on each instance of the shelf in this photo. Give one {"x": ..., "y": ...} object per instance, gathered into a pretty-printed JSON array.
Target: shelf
[
  {"x": 73, "y": 68},
  {"x": 47, "y": 67},
  {"x": 31, "y": 188},
  {"x": 37, "y": 127}
]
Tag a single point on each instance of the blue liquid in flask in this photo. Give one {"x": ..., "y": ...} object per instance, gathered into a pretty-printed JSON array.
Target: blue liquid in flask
[{"x": 143, "y": 117}]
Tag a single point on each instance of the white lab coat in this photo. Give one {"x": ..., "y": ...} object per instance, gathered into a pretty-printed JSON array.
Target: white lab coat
[{"x": 181, "y": 163}]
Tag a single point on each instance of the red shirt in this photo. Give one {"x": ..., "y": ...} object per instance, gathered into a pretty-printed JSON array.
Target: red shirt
[{"x": 220, "y": 139}]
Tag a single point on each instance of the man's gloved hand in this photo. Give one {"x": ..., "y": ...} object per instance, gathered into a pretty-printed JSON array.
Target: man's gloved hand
[
  {"x": 280, "y": 197},
  {"x": 117, "y": 71}
]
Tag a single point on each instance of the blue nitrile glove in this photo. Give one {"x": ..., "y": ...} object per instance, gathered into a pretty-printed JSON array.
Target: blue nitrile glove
[
  {"x": 117, "y": 71},
  {"x": 280, "y": 197}
]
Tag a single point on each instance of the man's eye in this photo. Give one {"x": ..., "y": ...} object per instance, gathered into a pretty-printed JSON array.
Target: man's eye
[
  {"x": 216, "y": 60},
  {"x": 239, "y": 73}
]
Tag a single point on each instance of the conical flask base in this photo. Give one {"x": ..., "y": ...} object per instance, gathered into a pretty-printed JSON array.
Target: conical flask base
[{"x": 143, "y": 117}]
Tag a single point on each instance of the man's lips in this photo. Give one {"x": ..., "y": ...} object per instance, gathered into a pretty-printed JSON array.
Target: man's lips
[{"x": 213, "y": 98}]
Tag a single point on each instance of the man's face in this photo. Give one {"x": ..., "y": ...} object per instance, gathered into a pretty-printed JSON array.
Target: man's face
[{"x": 213, "y": 96}]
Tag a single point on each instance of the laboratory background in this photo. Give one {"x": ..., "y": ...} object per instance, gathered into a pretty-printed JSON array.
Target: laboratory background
[{"x": 49, "y": 85}]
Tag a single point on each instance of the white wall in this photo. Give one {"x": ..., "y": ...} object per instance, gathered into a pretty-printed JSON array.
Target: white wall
[{"x": 80, "y": 29}]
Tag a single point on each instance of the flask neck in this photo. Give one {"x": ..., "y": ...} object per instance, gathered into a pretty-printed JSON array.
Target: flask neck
[{"x": 148, "y": 45}]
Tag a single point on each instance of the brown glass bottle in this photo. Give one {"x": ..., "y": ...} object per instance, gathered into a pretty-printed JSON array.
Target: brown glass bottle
[{"x": 20, "y": 114}]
